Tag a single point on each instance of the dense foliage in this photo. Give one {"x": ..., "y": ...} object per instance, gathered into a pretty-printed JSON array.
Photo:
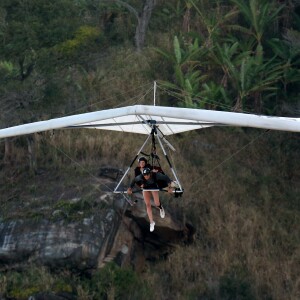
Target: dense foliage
[
  {"x": 241, "y": 55},
  {"x": 64, "y": 56}
]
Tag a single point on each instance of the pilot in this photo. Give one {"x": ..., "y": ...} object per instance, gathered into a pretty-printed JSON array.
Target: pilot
[
  {"x": 148, "y": 181},
  {"x": 142, "y": 164}
]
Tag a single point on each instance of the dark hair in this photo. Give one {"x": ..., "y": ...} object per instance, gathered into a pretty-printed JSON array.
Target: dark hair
[
  {"x": 142, "y": 159},
  {"x": 146, "y": 171}
]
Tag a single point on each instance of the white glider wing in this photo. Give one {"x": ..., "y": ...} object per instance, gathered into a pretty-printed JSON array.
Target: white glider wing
[{"x": 170, "y": 120}]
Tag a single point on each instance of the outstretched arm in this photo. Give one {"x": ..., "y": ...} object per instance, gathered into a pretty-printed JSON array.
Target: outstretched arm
[{"x": 133, "y": 183}]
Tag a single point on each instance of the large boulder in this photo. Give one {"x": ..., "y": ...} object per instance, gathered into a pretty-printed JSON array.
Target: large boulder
[{"x": 114, "y": 231}]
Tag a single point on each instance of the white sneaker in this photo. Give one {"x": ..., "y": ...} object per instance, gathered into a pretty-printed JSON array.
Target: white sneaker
[
  {"x": 152, "y": 226},
  {"x": 162, "y": 212}
]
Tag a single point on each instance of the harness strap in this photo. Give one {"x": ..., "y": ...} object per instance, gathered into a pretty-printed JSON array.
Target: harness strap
[{"x": 154, "y": 156}]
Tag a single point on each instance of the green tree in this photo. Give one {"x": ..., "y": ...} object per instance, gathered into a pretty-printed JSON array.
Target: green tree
[
  {"x": 250, "y": 77},
  {"x": 28, "y": 32},
  {"x": 213, "y": 17},
  {"x": 187, "y": 74},
  {"x": 288, "y": 52},
  {"x": 259, "y": 15},
  {"x": 140, "y": 10},
  {"x": 32, "y": 26}
]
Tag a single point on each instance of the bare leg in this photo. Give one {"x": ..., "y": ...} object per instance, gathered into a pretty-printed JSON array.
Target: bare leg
[
  {"x": 156, "y": 198},
  {"x": 147, "y": 199}
]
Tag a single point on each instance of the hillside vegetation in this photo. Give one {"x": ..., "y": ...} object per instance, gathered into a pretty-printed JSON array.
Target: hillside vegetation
[{"x": 241, "y": 185}]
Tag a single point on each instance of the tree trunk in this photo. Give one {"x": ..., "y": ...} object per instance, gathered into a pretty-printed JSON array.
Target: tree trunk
[
  {"x": 186, "y": 19},
  {"x": 143, "y": 19},
  {"x": 257, "y": 102},
  {"x": 143, "y": 22},
  {"x": 238, "y": 107},
  {"x": 31, "y": 154},
  {"x": 7, "y": 151}
]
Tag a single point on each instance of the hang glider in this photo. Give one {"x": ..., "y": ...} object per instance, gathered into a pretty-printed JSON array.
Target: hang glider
[
  {"x": 169, "y": 120},
  {"x": 156, "y": 122}
]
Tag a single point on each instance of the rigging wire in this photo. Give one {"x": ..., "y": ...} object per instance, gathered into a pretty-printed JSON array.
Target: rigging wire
[
  {"x": 229, "y": 158},
  {"x": 178, "y": 96},
  {"x": 135, "y": 100},
  {"x": 138, "y": 99},
  {"x": 86, "y": 171},
  {"x": 131, "y": 100}
]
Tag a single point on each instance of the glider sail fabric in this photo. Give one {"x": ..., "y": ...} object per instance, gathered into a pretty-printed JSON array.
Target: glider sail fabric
[
  {"x": 142, "y": 124},
  {"x": 170, "y": 120}
]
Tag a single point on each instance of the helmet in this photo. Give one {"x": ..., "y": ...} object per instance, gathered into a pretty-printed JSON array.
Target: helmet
[
  {"x": 146, "y": 171},
  {"x": 142, "y": 158}
]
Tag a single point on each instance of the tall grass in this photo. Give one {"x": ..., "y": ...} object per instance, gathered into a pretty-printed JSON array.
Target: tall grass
[
  {"x": 241, "y": 195},
  {"x": 247, "y": 241},
  {"x": 24, "y": 283}
]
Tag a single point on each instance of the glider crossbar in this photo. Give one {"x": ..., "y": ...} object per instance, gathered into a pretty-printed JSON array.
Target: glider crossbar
[{"x": 147, "y": 122}]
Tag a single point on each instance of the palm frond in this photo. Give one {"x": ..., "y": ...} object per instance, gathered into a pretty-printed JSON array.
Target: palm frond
[{"x": 177, "y": 50}]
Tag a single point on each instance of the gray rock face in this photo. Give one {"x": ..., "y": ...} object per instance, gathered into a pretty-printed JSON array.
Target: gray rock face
[
  {"x": 57, "y": 244},
  {"x": 117, "y": 232}
]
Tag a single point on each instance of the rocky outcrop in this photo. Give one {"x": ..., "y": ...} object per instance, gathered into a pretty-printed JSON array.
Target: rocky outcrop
[
  {"x": 113, "y": 230},
  {"x": 72, "y": 245}
]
